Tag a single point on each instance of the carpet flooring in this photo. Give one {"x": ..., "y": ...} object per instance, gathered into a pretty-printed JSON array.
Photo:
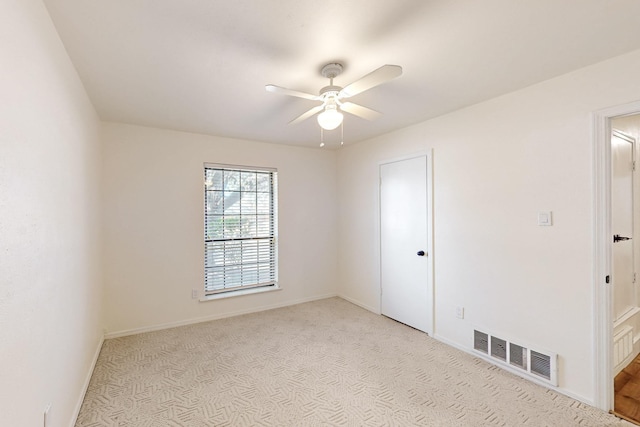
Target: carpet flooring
[{"x": 323, "y": 363}]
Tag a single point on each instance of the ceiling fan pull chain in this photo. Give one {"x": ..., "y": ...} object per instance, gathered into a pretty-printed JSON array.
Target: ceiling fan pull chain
[
  {"x": 321, "y": 137},
  {"x": 342, "y": 133}
]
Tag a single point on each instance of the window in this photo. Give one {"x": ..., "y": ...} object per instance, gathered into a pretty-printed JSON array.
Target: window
[{"x": 240, "y": 228}]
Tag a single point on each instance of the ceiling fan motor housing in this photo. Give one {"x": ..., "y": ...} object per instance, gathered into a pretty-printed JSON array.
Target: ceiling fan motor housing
[{"x": 327, "y": 90}]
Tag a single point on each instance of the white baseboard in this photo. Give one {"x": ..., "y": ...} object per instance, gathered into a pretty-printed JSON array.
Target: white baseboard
[
  {"x": 514, "y": 371},
  {"x": 359, "y": 304},
  {"x": 162, "y": 326},
  {"x": 85, "y": 386}
]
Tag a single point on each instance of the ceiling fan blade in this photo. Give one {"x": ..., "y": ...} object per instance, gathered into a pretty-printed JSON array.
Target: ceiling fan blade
[
  {"x": 284, "y": 91},
  {"x": 374, "y": 78},
  {"x": 306, "y": 114},
  {"x": 359, "y": 110}
]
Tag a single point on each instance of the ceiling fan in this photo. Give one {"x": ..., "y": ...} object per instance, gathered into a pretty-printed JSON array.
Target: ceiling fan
[{"x": 332, "y": 97}]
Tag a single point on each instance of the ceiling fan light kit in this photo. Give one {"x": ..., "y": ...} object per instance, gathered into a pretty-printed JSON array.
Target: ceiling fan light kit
[
  {"x": 330, "y": 118},
  {"x": 330, "y": 112}
]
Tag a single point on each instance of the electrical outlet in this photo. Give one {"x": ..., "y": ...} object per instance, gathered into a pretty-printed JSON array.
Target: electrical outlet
[
  {"x": 460, "y": 312},
  {"x": 46, "y": 415},
  {"x": 194, "y": 294}
]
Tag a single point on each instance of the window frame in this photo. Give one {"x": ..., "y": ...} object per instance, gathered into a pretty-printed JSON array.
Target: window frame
[{"x": 210, "y": 242}]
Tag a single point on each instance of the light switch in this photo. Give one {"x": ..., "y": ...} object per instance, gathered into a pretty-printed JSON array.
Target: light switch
[{"x": 544, "y": 218}]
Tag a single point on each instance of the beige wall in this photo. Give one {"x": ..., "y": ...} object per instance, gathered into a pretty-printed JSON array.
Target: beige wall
[
  {"x": 50, "y": 279},
  {"x": 154, "y": 224},
  {"x": 496, "y": 165}
]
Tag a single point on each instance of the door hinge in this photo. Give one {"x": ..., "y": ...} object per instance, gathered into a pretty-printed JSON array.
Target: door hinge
[
  {"x": 634, "y": 277},
  {"x": 607, "y": 279}
]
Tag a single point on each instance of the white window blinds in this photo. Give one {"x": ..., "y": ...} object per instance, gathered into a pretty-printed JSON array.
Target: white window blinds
[{"x": 240, "y": 240}]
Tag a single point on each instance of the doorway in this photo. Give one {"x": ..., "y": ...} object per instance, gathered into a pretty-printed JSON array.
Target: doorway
[
  {"x": 405, "y": 242},
  {"x": 616, "y": 299},
  {"x": 626, "y": 310}
]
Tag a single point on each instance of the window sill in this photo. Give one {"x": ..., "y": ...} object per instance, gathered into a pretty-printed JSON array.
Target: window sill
[{"x": 240, "y": 292}]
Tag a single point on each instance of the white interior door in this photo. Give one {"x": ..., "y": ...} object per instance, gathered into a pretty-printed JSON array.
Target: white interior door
[
  {"x": 624, "y": 295},
  {"x": 404, "y": 219}
]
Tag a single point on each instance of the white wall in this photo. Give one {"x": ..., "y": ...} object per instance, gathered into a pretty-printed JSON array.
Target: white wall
[
  {"x": 50, "y": 279},
  {"x": 497, "y": 164},
  {"x": 154, "y": 224}
]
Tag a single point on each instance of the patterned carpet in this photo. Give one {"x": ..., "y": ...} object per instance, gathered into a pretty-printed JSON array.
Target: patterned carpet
[{"x": 324, "y": 363}]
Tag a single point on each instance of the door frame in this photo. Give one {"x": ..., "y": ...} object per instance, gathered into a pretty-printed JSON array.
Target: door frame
[
  {"x": 428, "y": 154},
  {"x": 602, "y": 253}
]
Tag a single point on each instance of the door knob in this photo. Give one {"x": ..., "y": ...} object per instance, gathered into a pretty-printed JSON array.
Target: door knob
[
  {"x": 619, "y": 238},
  {"x": 420, "y": 253}
]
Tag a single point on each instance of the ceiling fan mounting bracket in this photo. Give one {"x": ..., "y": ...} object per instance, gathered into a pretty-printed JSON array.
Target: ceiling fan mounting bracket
[{"x": 332, "y": 70}]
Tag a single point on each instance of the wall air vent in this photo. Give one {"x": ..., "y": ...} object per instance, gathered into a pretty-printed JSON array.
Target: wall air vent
[
  {"x": 533, "y": 363},
  {"x": 518, "y": 356},
  {"x": 499, "y": 348},
  {"x": 481, "y": 341},
  {"x": 541, "y": 364}
]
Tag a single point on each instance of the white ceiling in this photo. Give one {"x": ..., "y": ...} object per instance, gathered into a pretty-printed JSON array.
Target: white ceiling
[{"x": 201, "y": 65}]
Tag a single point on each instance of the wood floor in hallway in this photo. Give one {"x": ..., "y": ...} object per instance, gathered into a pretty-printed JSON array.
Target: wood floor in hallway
[{"x": 627, "y": 392}]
